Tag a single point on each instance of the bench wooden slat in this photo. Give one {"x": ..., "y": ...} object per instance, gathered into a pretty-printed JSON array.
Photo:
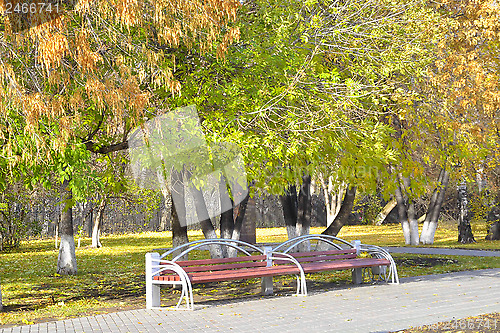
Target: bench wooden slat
[
  {"x": 320, "y": 253},
  {"x": 243, "y": 274},
  {"x": 220, "y": 260},
  {"x": 247, "y": 273},
  {"x": 224, "y": 266},
  {"x": 344, "y": 264},
  {"x": 319, "y": 258}
]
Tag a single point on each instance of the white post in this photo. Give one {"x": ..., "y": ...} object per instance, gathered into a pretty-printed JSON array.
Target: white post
[
  {"x": 357, "y": 273},
  {"x": 267, "y": 281},
  {"x": 152, "y": 290}
]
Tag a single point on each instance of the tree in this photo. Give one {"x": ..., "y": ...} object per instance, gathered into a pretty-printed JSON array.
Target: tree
[
  {"x": 464, "y": 229},
  {"x": 304, "y": 99},
  {"x": 434, "y": 208},
  {"x": 494, "y": 224},
  {"x": 343, "y": 214},
  {"x": 79, "y": 82},
  {"x": 297, "y": 208},
  {"x": 465, "y": 87},
  {"x": 204, "y": 180}
]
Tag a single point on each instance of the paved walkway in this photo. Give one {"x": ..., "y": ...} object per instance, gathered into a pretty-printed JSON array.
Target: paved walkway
[
  {"x": 442, "y": 251},
  {"x": 367, "y": 308}
]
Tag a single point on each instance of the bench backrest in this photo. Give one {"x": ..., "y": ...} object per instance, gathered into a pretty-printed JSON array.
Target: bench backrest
[
  {"x": 315, "y": 256},
  {"x": 204, "y": 265}
]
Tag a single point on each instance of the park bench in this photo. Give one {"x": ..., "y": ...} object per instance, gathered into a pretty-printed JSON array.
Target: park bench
[{"x": 255, "y": 262}]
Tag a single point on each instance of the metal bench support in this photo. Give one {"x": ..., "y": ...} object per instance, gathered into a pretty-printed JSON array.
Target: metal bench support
[{"x": 266, "y": 284}]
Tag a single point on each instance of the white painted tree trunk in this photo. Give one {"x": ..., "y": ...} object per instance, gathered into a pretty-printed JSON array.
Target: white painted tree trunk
[
  {"x": 403, "y": 216},
  {"x": 99, "y": 220},
  {"x": 412, "y": 220},
  {"x": 334, "y": 196},
  {"x": 96, "y": 242},
  {"x": 431, "y": 219},
  {"x": 66, "y": 261}
]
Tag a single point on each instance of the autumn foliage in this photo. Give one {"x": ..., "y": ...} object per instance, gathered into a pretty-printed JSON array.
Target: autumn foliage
[
  {"x": 88, "y": 75},
  {"x": 467, "y": 67}
]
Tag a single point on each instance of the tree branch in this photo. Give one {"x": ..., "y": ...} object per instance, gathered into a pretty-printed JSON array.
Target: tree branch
[{"x": 93, "y": 147}]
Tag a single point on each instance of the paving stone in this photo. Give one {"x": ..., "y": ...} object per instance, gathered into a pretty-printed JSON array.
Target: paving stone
[{"x": 367, "y": 308}]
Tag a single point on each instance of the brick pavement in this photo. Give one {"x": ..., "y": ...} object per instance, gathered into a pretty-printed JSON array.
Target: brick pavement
[
  {"x": 367, "y": 308},
  {"x": 443, "y": 251}
]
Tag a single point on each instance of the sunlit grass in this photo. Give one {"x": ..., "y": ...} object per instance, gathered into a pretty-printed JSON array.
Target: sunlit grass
[{"x": 112, "y": 278}]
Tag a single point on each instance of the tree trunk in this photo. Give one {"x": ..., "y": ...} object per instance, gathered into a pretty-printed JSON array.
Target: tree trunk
[
  {"x": 166, "y": 213},
  {"x": 494, "y": 224},
  {"x": 402, "y": 215},
  {"x": 385, "y": 212},
  {"x": 333, "y": 198},
  {"x": 226, "y": 217},
  {"x": 343, "y": 214},
  {"x": 89, "y": 218},
  {"x": 304, "y": 207},
  {"x": 434, "y": 209},
  {"x": 66, "y": 261},
  {"x": 297, "y": 208},
  {"x": 289, "y": 205},
  {"x": 238, "y": 222},
  {"x": 410, "y": 212},
  {"x": 178, "y": 209},
  {"x": 1, "y": 304},
  {"x": 493, "y": 231},
  {"x": 465, "y": 235},
  {"x": 98, "y": 223},
  {"x": 206, "y": 223}
]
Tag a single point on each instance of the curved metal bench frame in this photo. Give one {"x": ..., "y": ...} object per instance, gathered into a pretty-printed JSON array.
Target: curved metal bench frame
[
  {"x": 291, "y": 243},
  {"x": 156, "y": 264},
  {"x": 372, "y": 250}
]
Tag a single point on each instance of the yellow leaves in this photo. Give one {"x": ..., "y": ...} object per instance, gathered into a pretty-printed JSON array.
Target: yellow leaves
[
  {"x": 192, "y": 21},
  {"x": 52, "y": 49},
  {"x": 83, "y": 6},
  {"x": 95, "y": 90},
  {"x": 128, "y": 12},
  {"x": 231, "y": 36},
  {"x": 34, "y": 107},
  {"x": 85, "y": 57}
]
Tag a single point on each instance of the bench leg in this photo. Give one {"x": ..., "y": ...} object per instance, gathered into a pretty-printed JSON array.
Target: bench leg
[
  {"x": 357, "y": 275},
  {"x": 267, "y": 285},
  {"x": 152, "y": 296}
]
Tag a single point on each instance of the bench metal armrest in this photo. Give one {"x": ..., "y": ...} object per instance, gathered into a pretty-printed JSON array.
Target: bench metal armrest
[
  {"x": 378, "y": 252},
  {"x": 155, "y": 266},
  {"x": 302, "y": 287}
]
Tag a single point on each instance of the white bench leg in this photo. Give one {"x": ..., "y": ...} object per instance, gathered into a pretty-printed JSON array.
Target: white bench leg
[
  {"x": 152, "y": 290},
  {"x": 266, "y": 285},
  {"x": 357, "y": 275},
  {"x": 152, "y": 296}
]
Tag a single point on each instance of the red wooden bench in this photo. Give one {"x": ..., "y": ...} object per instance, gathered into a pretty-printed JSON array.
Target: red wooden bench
[
  {"x": 265, "y": 265},
  {"x": 188, "y": 272},
  {"x": 345, "y": 256}
]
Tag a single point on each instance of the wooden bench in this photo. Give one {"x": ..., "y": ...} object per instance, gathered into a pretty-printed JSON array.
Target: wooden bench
[
  {"x": 187, "y": 272},
  {"x": 266, "y": 264},
  {"x": 344, "y": 256}
]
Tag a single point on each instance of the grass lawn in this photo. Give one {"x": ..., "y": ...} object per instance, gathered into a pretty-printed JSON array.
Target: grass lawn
[{"x": 112, "y": 278}]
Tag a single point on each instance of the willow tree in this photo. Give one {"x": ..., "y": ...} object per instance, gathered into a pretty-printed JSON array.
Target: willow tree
[{"x": 75, "y": 80}]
